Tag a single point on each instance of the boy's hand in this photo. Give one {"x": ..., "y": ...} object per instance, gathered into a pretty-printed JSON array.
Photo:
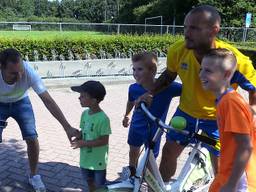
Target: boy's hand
[
  {"x": 78, "y": 144},
  {"x": 126, "y": 121},
  {"x": 146, "y": 97}
]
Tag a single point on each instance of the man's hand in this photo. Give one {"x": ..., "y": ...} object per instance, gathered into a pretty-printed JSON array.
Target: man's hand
[
  {"x": 78, "y": 144},
  {"x": 72, "y": 132}
]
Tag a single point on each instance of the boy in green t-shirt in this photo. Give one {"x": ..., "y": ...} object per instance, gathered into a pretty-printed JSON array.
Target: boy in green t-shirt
[{"x": 95, "y": 131}]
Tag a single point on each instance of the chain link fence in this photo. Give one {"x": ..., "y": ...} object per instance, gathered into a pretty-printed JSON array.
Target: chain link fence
[{"x": 235, "y": 34}]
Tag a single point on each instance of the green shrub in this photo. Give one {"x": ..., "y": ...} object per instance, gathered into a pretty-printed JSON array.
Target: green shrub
[{"x": 94, "y": 45}]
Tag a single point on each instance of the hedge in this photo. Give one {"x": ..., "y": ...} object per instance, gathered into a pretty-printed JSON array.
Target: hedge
[{"x": 100, "y": 46}]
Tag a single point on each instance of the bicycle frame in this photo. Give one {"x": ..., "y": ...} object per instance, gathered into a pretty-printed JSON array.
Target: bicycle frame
[{"x": 147, "y": 168}]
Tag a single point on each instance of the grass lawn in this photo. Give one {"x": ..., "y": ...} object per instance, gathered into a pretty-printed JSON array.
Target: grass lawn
[{"x": 35, "y": 35}]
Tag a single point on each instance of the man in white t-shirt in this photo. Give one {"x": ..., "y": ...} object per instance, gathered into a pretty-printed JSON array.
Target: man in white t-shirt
[{"x": 16, "y": 77}]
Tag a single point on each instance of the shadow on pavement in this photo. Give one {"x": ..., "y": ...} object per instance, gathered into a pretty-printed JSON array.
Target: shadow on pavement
[{"x": 57, "y": 176}]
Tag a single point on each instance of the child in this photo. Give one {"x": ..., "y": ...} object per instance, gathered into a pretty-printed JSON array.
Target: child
[
  {"x": 95, "y": 131},
  {"x": 141, "y": 128},
  {"x": 235, "y": 123}
]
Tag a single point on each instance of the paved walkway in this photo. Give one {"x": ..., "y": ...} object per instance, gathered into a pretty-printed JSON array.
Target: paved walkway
[{"x": 59, "y": 163}]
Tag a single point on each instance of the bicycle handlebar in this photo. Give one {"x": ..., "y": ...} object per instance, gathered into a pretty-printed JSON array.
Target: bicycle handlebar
[{"x": 161, "y": 124}]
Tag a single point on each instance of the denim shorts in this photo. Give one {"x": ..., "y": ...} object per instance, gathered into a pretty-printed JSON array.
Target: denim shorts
[
  {"x": 208, "y": 127},
  {"x": 22, "y": 112},
  {"x": 97, "y": 176}
]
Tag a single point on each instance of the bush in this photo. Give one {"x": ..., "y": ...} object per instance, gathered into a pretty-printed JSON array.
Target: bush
[
  {"x": 106, "y": 46},
  {"x": 112, "y": 45}
]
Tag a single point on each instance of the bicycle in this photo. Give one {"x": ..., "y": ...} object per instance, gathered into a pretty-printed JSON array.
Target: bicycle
[
  {"x": 3, "y": 124},
  {"x": 147, "y": 169}
]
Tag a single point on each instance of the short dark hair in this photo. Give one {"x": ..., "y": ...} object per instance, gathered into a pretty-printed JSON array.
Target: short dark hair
[
  {"x": 9, "y": 55},
  {"x": 213, "y": 14},
  {"x": 94, "y": 88}
]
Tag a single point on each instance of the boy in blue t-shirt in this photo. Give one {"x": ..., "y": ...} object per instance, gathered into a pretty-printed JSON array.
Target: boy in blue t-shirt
[
  {"x": 95, "y": 131},
  {"x": 141, "y": 128}
]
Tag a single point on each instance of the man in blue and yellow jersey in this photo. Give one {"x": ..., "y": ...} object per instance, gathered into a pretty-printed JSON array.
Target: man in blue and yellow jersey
[{"x": 201, "y": 26}]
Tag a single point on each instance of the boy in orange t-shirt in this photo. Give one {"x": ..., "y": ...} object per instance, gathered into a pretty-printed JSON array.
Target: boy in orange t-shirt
[{"x": 237, "y": 169}]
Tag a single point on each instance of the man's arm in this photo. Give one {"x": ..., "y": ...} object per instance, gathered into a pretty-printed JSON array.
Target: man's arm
[
  {"x": 243, "y": 153},
  {"x": 57, "y": 113},
  {"x": 163, "y": 81},
  {"x": 252, "y": 101}
]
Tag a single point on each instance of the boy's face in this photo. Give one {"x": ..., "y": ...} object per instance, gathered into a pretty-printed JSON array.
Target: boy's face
[
  {"x": 211, "y": 75},
  {"x": 86, "y": 100},
  {"x": 142, "y": 73}
]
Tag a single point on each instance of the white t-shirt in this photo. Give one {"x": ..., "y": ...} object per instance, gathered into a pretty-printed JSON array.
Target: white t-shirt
[{"x": 17, "y": 91}]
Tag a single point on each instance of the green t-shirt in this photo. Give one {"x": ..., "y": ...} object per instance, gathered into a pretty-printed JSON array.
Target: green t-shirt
[{"x": 94, "y": 126}]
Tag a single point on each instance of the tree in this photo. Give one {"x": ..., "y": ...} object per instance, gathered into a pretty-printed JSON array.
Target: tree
[{"x": 232, "y": 12}]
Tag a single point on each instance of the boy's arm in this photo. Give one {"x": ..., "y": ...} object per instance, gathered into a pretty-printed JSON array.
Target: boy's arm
[
  {"x": 252, "y": 101},
  {"x": 244, "y": 150},
  {"x": 126, "y": 119},
  {"x": 103, "y": 140},
  {"x": 129, "y": 106}
]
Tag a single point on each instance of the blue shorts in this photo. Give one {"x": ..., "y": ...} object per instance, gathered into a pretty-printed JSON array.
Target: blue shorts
[
  {"x": 22, "y": 112},
  {"x": 209, "y": 127},
  {"x": 139, "y": 136},
  {"x": 97, "y": 176}
]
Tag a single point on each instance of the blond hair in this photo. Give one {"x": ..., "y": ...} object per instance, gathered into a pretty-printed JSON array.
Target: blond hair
[
  {"x": 149, "y": 59},
  {"x": 226, "y": 59}
]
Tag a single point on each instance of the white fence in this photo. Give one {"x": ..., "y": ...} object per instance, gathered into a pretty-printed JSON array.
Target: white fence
[
  {"x": 230, "y": 33},
  {"x": 88, "y": 68}
]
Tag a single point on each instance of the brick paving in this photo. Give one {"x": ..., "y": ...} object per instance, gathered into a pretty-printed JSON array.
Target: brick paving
[{"x": 59, "y": 163}]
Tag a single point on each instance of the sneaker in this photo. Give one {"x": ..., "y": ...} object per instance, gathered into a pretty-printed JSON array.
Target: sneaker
[
  {"x": 126, "y": 173},
  {"x": 36, "y": 183}
]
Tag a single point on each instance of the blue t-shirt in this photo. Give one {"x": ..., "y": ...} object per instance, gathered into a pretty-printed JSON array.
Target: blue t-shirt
[{"x": 159, "y": 106}]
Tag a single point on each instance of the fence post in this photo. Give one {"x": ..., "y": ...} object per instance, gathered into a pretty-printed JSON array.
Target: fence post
[
  {"x": 167, "y": 29},
  {"x": 118, "y": 29},
  {"x": 244, "y": 34},
  {"x": 60, "y": 27}
]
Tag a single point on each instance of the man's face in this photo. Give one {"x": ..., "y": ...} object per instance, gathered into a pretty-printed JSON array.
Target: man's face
[
  {"x": 197, "y": 31},
  {"x": 13, "y": 72}
]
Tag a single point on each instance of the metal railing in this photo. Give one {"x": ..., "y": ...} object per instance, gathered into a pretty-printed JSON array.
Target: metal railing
[{"x": 229, "y": 33}]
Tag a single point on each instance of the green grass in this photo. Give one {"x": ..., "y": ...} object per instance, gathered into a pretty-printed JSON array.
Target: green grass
[{"x": 36, "y": 35}]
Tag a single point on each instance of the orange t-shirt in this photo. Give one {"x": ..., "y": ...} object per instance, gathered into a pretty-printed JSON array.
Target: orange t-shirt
[{"x": 234, "y": 116}]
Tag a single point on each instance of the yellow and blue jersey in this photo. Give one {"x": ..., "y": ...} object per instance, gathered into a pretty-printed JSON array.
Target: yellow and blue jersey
[{"x": 194, "y": 100}]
